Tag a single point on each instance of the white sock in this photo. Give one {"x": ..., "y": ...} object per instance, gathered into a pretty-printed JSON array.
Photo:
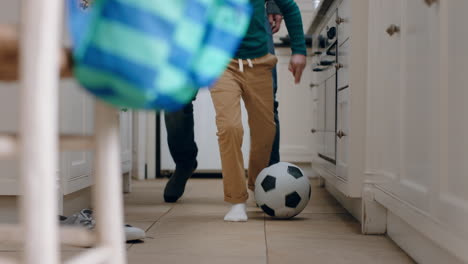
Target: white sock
[{"x": 237, "y": 213}]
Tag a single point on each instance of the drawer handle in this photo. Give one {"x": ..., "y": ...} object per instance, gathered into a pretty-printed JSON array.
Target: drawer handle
[
  {"x": 317, "y": 69},
  {"x": 392, "y": 29},
  {"x": 339, "y": 20},
  {"x": 338, "y": 66},
  {"x": 340, "y": 134},
  {"x": 312, "y": 85},
  {"x": 430, "y": 2},
  {"x": 313, "y": 131}
]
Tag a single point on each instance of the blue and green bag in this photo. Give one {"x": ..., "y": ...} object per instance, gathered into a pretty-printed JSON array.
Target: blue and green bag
[{"x": 154, "y": 54}]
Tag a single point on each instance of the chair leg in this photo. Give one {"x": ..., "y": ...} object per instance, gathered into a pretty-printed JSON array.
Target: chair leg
[
  {"x": 108, "y": 198},
  {"x": 38, "y": 129}
]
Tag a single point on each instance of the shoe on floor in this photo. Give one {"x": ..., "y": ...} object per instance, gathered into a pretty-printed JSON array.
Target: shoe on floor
[
  {"x": 175, "y": 187},
  {"x": 85, "y": 218},
  {"x": 82, "y": 218},
  {"x": 134, "y": 233}
]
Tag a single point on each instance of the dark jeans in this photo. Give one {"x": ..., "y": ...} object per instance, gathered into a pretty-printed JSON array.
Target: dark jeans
[
  {"x": 180, "y": 136},
  {"x": 179, "y": 126},
  {"x": 275, "y": 155}
]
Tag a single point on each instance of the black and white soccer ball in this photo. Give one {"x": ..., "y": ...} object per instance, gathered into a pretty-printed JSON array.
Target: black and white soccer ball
[{"x": 282, "y": 190}]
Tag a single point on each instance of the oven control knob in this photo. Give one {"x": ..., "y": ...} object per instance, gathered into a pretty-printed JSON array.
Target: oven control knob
[{"x": 331, "y": 33}]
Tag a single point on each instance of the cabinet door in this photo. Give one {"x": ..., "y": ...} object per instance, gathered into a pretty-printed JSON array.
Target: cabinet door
[
  {"x": 330, "y": 118},
  {"x": 126, "y": 140},
  {"x": 450, "y": 192},
  {"x": 384, "y": 90},
  {"x": 342, "y": 133},
  {"x": 76, "y": 116},
  {"x": 419, "y": 96},
  {"x": 414, "y": 131},
  {"x": 319, "y": 119}
]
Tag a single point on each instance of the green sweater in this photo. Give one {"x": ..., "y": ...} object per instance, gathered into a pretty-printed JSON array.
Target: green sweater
[{"x": 254, "y": 44}]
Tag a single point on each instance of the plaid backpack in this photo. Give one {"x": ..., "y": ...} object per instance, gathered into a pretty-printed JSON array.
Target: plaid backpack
[{"x": 154, "y": 54}]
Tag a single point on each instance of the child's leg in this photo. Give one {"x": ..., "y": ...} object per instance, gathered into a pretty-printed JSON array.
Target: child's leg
[
  {"x": 258, "y": 98},
  {"x": 226, "y": 95}
]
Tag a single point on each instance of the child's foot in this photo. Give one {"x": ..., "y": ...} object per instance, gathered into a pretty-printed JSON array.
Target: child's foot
[
  {"x": 251, "y": 201},
  {"x": 237, "y": 213},
  {"x": 176, "y": 185}
]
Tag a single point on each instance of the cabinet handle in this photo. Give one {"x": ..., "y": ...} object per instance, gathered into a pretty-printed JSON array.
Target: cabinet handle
[
  {"x": 312, "y": 85},
  {"x": 430, "y": 2},
  {"x": 392, "y": 29},
  {"x": 338, "y": 66},
  {"x": 326, "y": 63},
  {"x": 339, "y": 20},
  {"x": 340, "y": 134},
  {"x": 313, "y": 130}
]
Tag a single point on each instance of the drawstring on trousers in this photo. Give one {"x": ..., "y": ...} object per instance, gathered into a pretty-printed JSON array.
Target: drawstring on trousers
[{"x": 241, "y": 64}]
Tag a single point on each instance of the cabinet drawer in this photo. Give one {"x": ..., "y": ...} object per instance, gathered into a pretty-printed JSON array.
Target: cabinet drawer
[
  {"x": 343, "y": 60},
  {"x": 343, "y": 21}
]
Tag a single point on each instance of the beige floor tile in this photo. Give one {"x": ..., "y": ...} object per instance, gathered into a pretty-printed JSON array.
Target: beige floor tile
[
  {"x": 145, "y": 213},
  {"x": 150, "y": 258},
  {"x": 334, "y": 252},
  {"x": 193, "y": 231},
  {"x": 206, "y": 244},
  {"x": 177, "y": 222},
  {"x": 315, "y": 225}
]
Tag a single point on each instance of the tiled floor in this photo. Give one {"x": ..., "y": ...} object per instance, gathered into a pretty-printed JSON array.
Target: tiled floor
[{"x": 193, "y": 231}]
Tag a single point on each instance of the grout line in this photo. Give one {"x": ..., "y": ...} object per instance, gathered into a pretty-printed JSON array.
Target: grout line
[
  {"x": 266, "y": 241},
  {"x": 157, "y": 220}
]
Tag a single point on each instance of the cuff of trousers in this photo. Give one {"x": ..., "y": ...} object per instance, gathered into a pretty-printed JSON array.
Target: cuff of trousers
[{"x": 236, "y": 200}]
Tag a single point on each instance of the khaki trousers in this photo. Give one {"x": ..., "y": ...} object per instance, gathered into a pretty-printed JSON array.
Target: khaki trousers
[{"x": 254, "y": 85}]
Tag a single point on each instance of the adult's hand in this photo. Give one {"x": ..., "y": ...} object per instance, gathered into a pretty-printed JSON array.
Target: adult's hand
[
  {"x": 296, "y": 66},
  {"x": 275, "y": 22}
]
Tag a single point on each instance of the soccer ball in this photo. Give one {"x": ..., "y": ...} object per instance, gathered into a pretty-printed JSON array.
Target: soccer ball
[{"x": 282, "y": 190}]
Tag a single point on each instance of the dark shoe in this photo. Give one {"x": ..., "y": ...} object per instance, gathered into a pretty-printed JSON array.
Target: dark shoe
[{"x": 175, "y": 187}]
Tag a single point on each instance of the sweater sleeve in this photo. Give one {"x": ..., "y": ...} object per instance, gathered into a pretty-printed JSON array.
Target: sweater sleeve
[{"x": 293, "y": 19}]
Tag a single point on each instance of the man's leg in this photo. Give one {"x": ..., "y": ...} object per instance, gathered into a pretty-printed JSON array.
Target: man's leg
[
  {"x": 183, "y": 149},
  {"x": 275, "y": 155}
]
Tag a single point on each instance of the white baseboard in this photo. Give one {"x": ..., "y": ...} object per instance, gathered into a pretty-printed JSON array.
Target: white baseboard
[
  {"x": 419, "y": 247},
  {"x": 419, "y": 235},
  {"x": 352, "y": 205}
]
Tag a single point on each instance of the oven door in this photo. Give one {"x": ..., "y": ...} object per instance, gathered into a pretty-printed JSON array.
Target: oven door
[{"x": 327, "y": 151}]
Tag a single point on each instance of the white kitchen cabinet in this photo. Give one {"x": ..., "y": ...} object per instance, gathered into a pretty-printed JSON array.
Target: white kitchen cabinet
[
  {"x": 208, "y": 158},
  {"x": 126, "y": 140},
  {"x": 340, "y": 38},
  {"x": 76, "y": 117},
  {"x": 417, "y": 151},
  {"x": 342, "y": 128},
  {"x": 295, "y": 112}
]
